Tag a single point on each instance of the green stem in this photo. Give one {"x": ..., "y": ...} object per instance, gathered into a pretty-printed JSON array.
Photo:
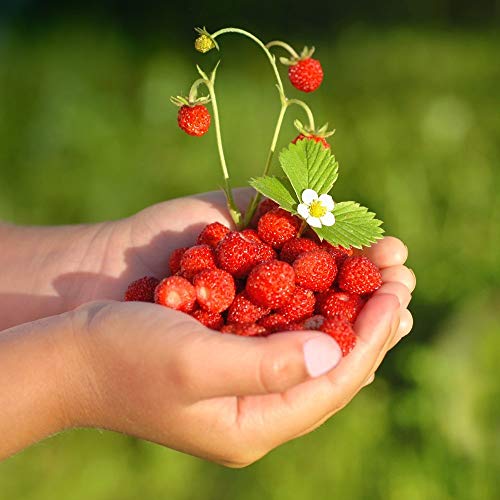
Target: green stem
[
  {"x": 193, "y": 91},
  {"x": 271, "y": 58},
  {"x": 283, "y": 45},
  {"x": 308, "y": 111},
  {"x": 233, "y": 209},
  {"x": 256, "y": 199}
]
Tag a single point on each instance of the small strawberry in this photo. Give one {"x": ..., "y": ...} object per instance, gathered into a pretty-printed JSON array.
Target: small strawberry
[
  {"x": 265, "y": 206},
  {"x": 194, "y": 120},
  {"x": 339, "y": 253},
  {"x": 196, "y": 259},
  {"x": 315, "y": 270},
  {"x": 278, "y": 226},
  {"x": 264, "y": 251},
  {"x": 274, "y": 322},
  {"x": 296, "y": 326},
  {"x": 295, "y": 247},
  {"x": 245, "y": 329},
  {"x": 341, "y": 331},
  {"x": 243, "y": 310},
  {"x": 236, "y": 254},
  {"x": 212, "y": 234},
  {"x": 177, "y": 293},
  {"x": 306, "y": 74},
  {"x": 271, "y": 284},
  {"x": 142, "y": 290},
  {"x": 214, "y": 289},
  {"x": 174, "y": 262},
  {"x": 359, "y": 275},
  {"x": 300, "y": 306},
  {"x": 343, "y": 304},
  {"x": 211, "y": 320}
]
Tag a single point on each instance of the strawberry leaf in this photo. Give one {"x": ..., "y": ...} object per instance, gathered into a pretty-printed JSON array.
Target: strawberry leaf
[
  {"x": 309, "y": 164},
  {"x": 354, "y": 226},
  {"x": 278, "y": 189}
]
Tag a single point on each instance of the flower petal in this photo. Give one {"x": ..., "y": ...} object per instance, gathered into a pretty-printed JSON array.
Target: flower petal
[
  {"x": 327, "y": 201},
  {"x": 303, "y": 211},
  {"x": 328, "y": 219},
  {"x": 309, "y": 195},
  {"x": 314, "y": 221}
]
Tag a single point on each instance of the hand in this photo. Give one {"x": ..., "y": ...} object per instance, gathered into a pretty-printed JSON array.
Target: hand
[{"x": 159, "y": 375}]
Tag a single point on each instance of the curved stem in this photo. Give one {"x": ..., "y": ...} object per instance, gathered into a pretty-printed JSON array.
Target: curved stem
[
  {"x": 283, "y": 45},
  {"x": 307, "y": 109},
  {"x": 233, "y": 209},
  {"x": 271, "y": 58},
  {"x": 193, "y": 91}
]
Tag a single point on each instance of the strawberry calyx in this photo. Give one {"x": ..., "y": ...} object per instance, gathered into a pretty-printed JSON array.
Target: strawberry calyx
[
  {"x": 306, "y": 53},
  {"x": 306, "y": 131},
  {"x": 204, "y": 43}
]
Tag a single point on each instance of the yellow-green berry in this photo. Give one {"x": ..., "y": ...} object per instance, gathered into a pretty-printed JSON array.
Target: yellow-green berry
[{"x": 203, "y": 44}]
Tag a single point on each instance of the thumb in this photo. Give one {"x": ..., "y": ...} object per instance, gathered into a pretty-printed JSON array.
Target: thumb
[{"x": 212, "y": 364}]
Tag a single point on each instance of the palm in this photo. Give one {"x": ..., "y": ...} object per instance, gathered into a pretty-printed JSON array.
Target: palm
[{"x": 141, "y": 244}]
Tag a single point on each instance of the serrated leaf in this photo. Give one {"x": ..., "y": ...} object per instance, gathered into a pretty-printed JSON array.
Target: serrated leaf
[
  {"x": 309, "y": 165},
  {"x": 354, "y": 226},
  {"x": 278, "y": 189}
]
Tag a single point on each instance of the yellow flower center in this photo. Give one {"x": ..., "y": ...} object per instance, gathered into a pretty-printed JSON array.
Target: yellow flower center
[
  {"x": 317, "y": 209},
  {"x": 203, "y": 44}
]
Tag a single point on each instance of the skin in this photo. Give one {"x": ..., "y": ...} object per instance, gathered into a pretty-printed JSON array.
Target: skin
[{"x": 71, "y": 355}]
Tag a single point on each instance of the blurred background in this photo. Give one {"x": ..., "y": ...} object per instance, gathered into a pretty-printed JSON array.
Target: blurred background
[{"x": 87, "y": 133}]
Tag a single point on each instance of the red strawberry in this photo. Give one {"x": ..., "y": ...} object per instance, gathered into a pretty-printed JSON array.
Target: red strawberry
[
  {"x": 340, "y": 254},
  {"x": 296, "y": 246},
  {"x": 197, "y": 259},
  {"x": 236, "y": 254},
  {"x": 177, "y": 293},
  {"x": 142, "y": 290},
  {"x": 245, "y": 329},
  {"x": 306, "y": 74},
  {"x": 271, "y": 284},
  {"x": 359, "y": 275},
  {"x": 194, "y": 120},
  {"x": 343, "y": 304},
  {"x": 315, "y": 270},
  {"x": 243, "y": 310},
  {"x": 312, "y": 137},
  {"x": 211, "y": 320},
  {"x": 214, "y": 289},
  {"x": 300, "y": 306},
  {"x": 251, "y": 235},
  {"x": 341, "y": 331},
  {"x": 278, "y": 226},
  {"x": 212, "y": 234},
  {"x": 174, "y": 262},
  {"x": 264, "y": 251},
  {"x": 293, "y": 327},
  {"x": 265, "y": 206},
  {"x": 274, "y": 322}
]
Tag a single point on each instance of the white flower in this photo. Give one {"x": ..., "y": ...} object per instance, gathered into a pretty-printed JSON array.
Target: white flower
[{"x": 316, "y": 210}]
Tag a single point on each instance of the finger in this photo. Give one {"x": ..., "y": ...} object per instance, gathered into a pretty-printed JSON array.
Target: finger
[
  {"x": 397, "y": 289},
  {"x": 387, "y": 252},
  {"x": 401, "y": 274},
  {"x": 405, "y": 326},
  {"x": 304, "y": 405},
  {"x": 211, "y": 364}
]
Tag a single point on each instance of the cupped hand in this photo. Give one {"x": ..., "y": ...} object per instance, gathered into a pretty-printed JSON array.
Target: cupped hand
[{"x": 158, "y": 374}]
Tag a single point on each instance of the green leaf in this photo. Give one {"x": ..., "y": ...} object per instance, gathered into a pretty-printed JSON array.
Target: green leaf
[
  {"x": 354, "y": 226},
  {"x": 278, "y": 189},
  {"x": 308, "y": 164}
]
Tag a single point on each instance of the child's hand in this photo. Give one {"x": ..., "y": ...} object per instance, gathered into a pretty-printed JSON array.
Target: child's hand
[{"x": 159, "y": 375}]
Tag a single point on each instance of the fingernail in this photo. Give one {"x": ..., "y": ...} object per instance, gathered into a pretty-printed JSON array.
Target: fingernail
[{"x": 321, "y": 354}]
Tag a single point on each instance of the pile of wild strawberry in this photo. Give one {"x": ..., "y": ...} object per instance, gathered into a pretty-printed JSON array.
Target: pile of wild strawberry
[{"x": 260, "y": 281}]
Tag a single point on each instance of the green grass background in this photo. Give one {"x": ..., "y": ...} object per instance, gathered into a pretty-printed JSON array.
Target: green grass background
[{"x": 87, "y": 133}]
